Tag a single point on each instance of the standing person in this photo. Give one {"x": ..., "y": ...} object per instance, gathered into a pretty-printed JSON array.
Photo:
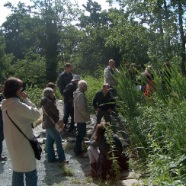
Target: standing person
[
  {"x": 109, "y": 72},
  {"x": 149, "y": 81},
  {"x": 2, "y": 158},
  {"x": 81, "y": 115},
  {"x": 65, "y": 78},
  {"x": 51, "y": 116},
  {"x": 104, "y": 103},
  {"x": 68, "y": 101},
  {"x": 23, "y": 113}
]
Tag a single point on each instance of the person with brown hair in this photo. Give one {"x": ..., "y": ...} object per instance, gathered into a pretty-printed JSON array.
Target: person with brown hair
[
  {"x": 101, "y": 154},
  {"x": 23, "y": 114}
]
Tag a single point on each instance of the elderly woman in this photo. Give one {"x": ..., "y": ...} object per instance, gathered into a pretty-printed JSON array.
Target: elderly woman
[
  {"x": 51, "y": 116},
  {"x": 81, "y": 116},
  {"x": 23, "y": 114}
]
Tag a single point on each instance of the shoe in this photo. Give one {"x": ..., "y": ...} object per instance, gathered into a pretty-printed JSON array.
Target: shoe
[
  {"x": 63, "y": 161},
  {"x": 53, "y": 161},
  {"x": 3, "y": 158},
  {"x": 82, "y": 155}
]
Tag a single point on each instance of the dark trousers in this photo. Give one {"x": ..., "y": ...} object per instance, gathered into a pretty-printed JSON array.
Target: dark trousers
[
  {"x": 68, "y": 111},
  {"x": 104, "y": 114},
  {"x": 1, "y": 140},
  {"x": 80, "y": 134}
]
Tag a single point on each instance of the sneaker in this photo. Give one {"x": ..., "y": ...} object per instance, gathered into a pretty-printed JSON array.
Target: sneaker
[{"x": 3, "y": 158}]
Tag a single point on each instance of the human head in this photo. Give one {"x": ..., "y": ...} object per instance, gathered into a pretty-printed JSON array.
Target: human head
[
  {"x": 82, "y": 85},
  {"x": 48, "y": 92},
  {"x": 68, "y": 68},
  {"x": 149, "y": 68},
  {"x": 51, "y": 85},
  {"x": 106, "y": 88},
  {"x": 76, "y": 79},
  {"x": 12, "y": 87},
  {"x": 111, "y": 63}
]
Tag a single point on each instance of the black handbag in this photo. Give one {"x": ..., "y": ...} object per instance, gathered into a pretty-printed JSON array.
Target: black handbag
[{"x": 33, "y": 142}]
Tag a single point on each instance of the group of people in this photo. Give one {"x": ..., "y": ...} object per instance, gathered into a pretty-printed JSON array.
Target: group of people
[{"x": 18, "y": 110}]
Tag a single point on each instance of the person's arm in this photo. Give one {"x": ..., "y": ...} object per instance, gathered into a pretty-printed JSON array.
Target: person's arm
[
  {"x": 67, "y": 90},
  {"x": 82, "y": 107},
  {"x": 107, "y": 75},
  {"x": 53, "y": 109},
  {"x": 95, "y": 102},
  {"x": 61, "y": 83}
]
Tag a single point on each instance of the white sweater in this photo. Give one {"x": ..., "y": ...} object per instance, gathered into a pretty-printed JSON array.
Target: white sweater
[{"x": 20, "y": 150}]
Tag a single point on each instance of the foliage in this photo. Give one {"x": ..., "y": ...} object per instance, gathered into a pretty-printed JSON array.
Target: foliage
[
  {"x": 94, "y": 85},
  {"x": 155, "y": 128}
]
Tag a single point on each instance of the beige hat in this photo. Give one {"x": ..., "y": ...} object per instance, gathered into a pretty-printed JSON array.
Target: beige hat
[{"x": 76, "y": 78}]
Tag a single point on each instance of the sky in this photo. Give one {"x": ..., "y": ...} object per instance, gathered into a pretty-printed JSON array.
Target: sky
[{"x": 5, "y": 12}]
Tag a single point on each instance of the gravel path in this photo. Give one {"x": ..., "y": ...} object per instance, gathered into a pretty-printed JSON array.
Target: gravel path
[
  {"x": 55, "y": 174},
  {"x": 52, "y": 173}
]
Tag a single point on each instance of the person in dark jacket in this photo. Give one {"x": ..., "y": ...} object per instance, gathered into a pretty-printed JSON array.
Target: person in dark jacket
[
  {"x": 2, "y": 158},
  {"x": 51, "y": 116},
  {"x": 68, "y": 101},
  {"x": 65, "y": 78},
  {"x": 104, "y": 103}
]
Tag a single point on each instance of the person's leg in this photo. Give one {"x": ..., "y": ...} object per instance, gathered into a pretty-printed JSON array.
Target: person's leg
[
  {"x": 31, "y": 178},
  {"x": 54, "y": 134},
  {"x": 50, "y": 146},
  {"x": 72, "y": 120},
  {"x": 66, "y": 113},
  {"x": 2, "y": 158},
  {"x": 17, "y": 179},
  {"x": 1, "y": 140},
  {"x": 80, "y": 134},
  {"x": 107, "y": 116},
  {"x": 93, "y": 154},
  {"x": 99, "y": 115}
]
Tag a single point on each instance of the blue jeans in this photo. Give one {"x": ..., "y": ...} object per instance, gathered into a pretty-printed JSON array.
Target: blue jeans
[
  {"x": 80, "y": 134},
  {"x": 52, "y": 135},
  {"x": 30, "y": 178}
]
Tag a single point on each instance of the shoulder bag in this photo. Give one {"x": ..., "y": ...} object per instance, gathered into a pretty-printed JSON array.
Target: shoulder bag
[{"x": 59, "y": 125}]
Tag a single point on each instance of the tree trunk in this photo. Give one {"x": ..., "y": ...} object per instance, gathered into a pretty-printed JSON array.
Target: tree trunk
[{"x": 182, "y": 37}]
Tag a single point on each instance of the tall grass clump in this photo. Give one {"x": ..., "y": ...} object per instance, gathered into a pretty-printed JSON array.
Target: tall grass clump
[
  {"x": 157, "y": 124},
  {"x": 94, "y": 85}
]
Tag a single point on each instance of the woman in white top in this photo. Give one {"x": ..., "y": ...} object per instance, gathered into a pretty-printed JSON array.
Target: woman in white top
[{"x": 23, "y": 113}]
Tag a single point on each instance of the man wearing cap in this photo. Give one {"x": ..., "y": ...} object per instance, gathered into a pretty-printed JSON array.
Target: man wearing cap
[
  {"x": 104, "y": 103},
  {"x": 65, "y": 78},
  {"x": 68, "y": 101}
]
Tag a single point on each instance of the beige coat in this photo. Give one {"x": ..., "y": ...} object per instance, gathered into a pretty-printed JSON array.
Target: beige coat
[
  {"x": 81, "y": 114},
  {"x": 19, "y": 148}
]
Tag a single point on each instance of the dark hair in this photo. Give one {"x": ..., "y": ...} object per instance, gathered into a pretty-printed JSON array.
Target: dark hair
[
  {"x": 51, "y": 85},
  {"x": 67, "y": 65},
  {"x": 12, "y": 85}
]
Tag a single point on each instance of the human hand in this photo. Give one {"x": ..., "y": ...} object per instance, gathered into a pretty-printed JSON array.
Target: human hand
[{"x": 24, "y": 95}]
